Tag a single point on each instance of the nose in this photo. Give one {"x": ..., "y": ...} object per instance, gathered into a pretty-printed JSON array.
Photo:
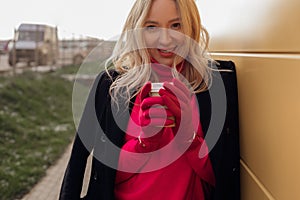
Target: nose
[{"x": 165, "y": 38}]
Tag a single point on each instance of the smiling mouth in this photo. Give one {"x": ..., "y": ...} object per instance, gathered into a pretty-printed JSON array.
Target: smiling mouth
[
  {"x": 167, "y": 50},
  {"x": 166, "y": 53}
]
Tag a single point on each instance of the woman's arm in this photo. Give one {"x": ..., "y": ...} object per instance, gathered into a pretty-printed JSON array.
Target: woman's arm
[
  {"x": 74, "y": 174},
  {"x": 198, "y": 158},
  {"x": 84, "y": 140}
]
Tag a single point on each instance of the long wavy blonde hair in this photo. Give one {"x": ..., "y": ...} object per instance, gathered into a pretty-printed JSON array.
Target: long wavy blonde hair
[{"x": 132, "y": 60}]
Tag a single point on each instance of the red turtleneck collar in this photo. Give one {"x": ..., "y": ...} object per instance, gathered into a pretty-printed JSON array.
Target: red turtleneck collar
[{"x": 165, "y": 72}]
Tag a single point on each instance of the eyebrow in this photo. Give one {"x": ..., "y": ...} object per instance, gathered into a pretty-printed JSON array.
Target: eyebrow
[{"x": 154, "y": 22}]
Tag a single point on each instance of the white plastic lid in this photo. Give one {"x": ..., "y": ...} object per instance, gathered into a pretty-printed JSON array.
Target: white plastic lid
[{"x": 155, "y": 87}]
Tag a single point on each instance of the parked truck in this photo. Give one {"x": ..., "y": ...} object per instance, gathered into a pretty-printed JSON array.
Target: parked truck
[{"x": 35, "y": 43}]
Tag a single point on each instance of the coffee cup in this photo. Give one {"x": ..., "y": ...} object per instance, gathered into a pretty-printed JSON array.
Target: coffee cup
[{"x": 155, "y": 87}]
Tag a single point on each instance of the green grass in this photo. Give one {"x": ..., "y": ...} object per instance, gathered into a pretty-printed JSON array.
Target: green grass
[
  {"x": 69, "y": 69},
  {"x": 36, "y": 126}
]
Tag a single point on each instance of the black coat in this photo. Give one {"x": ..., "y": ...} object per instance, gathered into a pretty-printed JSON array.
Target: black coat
[{"x": 224, "y": 154}]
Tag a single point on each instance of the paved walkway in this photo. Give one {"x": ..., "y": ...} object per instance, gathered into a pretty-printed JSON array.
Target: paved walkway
[
  {"x": 20, "y": 67},
  {"x": 48, "y": 188}
]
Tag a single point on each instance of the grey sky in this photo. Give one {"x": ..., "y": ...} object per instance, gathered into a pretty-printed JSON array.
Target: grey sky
[{"x": 95, "y": 18}]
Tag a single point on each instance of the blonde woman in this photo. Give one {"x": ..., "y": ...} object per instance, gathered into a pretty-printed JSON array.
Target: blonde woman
[{"x": 146, "y": 145}]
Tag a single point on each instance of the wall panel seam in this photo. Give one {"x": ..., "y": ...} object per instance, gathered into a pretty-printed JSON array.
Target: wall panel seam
[
  {"x": 256, "y": 180},
  {"x": 258, "y": 55}
]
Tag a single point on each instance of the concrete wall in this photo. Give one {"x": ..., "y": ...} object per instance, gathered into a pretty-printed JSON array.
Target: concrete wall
[{"x": 263, "y": 39}]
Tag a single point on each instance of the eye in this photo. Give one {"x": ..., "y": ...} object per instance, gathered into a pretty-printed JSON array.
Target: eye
[
  {"x": 151, "y": 28},
  {"x": 176, "y": 26}
]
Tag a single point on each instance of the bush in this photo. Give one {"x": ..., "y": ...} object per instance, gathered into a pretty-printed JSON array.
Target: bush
[{"x": 36, "y": 126}]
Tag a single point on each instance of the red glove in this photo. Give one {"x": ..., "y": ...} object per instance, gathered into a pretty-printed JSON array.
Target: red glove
[
  {"x": 153, "y": 115},
  {"x": 177, "y": 97}
]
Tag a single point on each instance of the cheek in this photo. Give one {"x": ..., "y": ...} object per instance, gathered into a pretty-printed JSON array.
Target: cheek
[
  {"x": 151, "y": 40},
  {"x": 178, "y": 37},
  {"x": 183, "y": 44}
]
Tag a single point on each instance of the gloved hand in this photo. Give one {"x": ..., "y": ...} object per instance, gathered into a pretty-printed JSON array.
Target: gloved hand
[
  {"x": 177, "y": 97},
  {"x": 153, "y": 115}
]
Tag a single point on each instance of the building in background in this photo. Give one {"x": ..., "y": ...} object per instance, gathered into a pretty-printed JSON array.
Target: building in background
[
  {"x": 4, "y": 46},
  {"x": 74, "y": 51}
]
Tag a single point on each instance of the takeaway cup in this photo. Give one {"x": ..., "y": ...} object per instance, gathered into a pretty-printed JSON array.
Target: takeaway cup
[{"x": 155, "y": 87}]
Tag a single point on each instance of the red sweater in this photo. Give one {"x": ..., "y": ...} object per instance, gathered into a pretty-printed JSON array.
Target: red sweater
[{"x": 143, "y": 175}]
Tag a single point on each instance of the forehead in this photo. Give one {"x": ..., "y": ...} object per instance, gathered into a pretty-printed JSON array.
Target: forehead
[{"x": 163, "y": 10}]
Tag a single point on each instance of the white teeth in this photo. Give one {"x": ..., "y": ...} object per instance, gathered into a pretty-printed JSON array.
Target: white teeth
[{"x": 166, "y": 51}]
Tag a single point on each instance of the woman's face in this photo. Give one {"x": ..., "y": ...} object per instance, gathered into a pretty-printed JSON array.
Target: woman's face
[{"x": 162, "y": 31}]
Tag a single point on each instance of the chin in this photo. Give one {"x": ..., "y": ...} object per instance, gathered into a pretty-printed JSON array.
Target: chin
[{"x": 167, "y": 62}]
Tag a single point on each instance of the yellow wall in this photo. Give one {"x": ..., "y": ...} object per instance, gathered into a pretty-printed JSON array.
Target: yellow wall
[{"x": 262, "y": 37}]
